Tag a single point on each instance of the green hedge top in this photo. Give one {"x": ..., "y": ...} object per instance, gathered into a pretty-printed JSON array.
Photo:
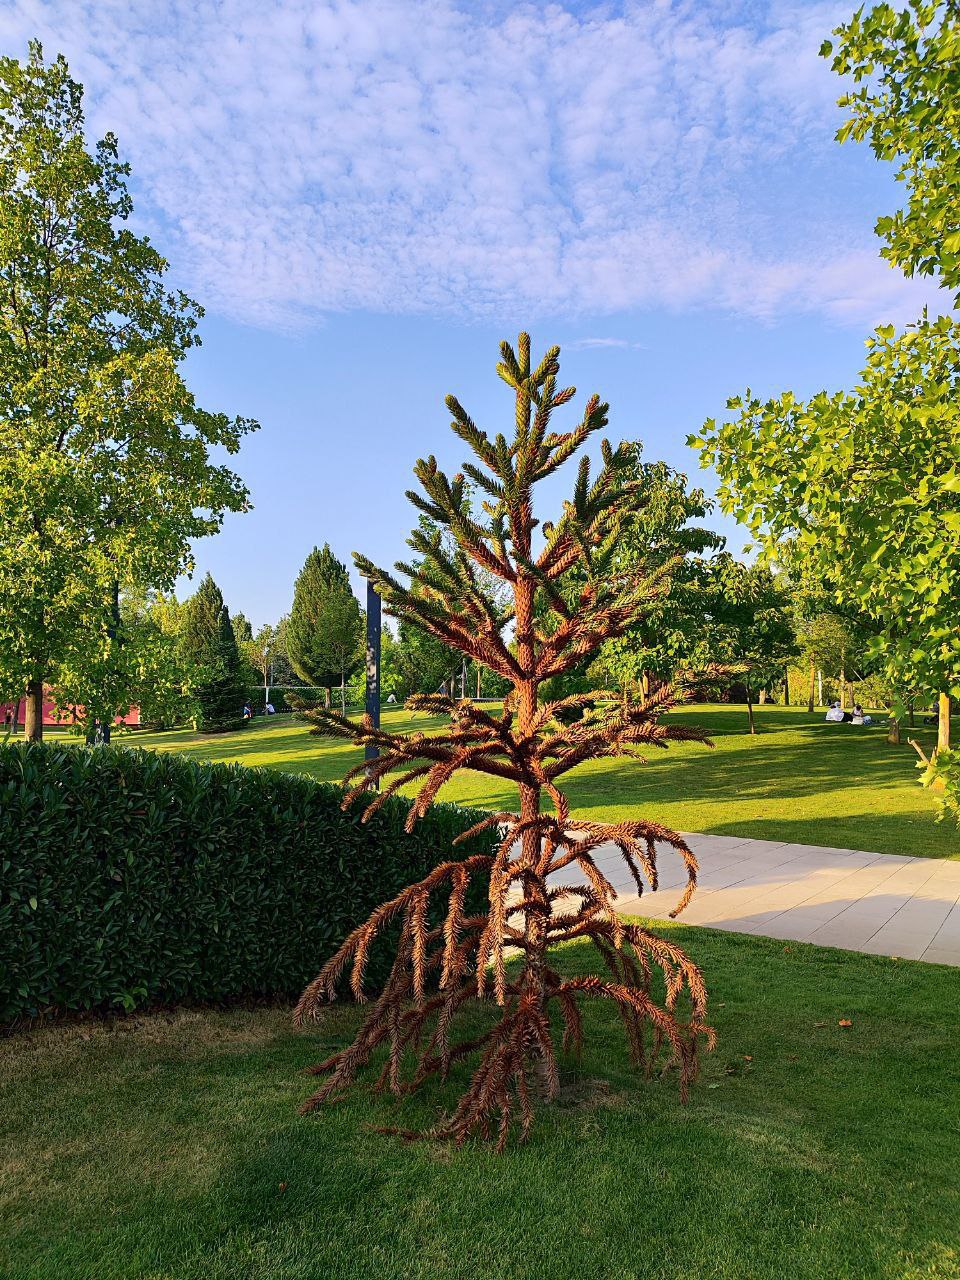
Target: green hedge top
[{"x": 131, "y": 877}]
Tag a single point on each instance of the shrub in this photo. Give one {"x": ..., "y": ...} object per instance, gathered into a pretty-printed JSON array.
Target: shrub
[{"x": 131, "y": 877}]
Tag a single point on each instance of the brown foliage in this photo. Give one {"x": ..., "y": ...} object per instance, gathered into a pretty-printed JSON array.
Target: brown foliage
[{"x": 545, "y": 883}]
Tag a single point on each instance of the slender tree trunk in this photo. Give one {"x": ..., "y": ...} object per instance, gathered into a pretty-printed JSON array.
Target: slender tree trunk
[
  {"x": 843, "y": 680},
  {"x": 16, "y": 717},
  {"x": 479, "y": 670},
  {"x": 534, "y": 889},
  {"x": 893, "y": 731},
  {"x": 327, "y": 698},
  {"x": 786, "y": 686},
  {"x": 812, "y": 689},
  {"x": 753, "y": 724},
  {"x": 33, "y": 719},
  {"x": 943, "y": 725},
  {"x": 762, "y": 697},
  {"x": 820, "y": 688}
]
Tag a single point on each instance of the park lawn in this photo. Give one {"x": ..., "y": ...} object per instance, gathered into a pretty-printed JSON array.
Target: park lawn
[
  {"x": 798, "y": 780},
  {"x": 168, "y": 1146}
]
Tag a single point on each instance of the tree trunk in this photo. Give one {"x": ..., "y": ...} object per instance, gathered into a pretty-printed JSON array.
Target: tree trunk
[
  {"x": 820, "y": 688},
  {"x": 33, "y": 720},
  {"x": 534, "y": 887},
  {"x": 16, "y": 717},
  {"x": 943, "y": 725},
  {"x": 762, "y": 697},
  {"x": 753, "y": 724},
  {"x": 910, "y": 717},
  {"x": 812, "y": 690},
  {"x": 842, "y": 680},
  {"x": 786, "y": 686},
  {"x": 893, "y": 731},
  {"x": 327, "y": 697}
]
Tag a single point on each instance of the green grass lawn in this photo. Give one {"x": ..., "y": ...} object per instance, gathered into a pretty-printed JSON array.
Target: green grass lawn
[
  {"x": 168, "y": 1147},
  {"x": 798, "y": 779}
]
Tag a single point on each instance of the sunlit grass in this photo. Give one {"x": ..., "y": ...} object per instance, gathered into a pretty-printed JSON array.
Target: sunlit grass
[{"x": 799, "y": 779}]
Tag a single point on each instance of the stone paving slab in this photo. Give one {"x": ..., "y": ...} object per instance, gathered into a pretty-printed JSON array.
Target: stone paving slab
[{"x": 882, "y": 904}]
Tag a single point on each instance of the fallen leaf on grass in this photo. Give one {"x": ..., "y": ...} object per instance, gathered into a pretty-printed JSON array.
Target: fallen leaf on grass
[{"x": 844, "y": 1022}]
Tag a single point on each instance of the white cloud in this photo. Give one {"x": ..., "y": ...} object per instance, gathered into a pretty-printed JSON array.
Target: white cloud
[{"x": 306, "y": 156}]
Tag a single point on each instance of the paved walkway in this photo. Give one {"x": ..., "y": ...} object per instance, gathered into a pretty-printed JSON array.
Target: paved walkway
[{"x": 873, "y": 902}]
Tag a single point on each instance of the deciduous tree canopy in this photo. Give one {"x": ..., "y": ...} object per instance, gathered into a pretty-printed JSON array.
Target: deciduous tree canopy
[{"x": 106, "y": 467}]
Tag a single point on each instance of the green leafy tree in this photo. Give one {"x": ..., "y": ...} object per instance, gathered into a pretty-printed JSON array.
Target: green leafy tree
[
  {"x": 242, "y": 630},
  {"x": 663, "y": 540},
  {"x": 865, "y": 486},
  {"x": 261, "y": 651},
  {"x": 140, "y": 665},
  {"x": 106, "y": 474},
  {"x": 325, "y": 625},
  {"x": 424, "y": 663},
  {"x": 747, "y": 624},
  {"x": 906, "y": 101},
  {"x": 209, "y": 644}
]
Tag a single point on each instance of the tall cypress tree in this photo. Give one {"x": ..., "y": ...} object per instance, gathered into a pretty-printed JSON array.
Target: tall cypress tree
[
  {"x": 210, "y": 646},
  {"x": 325, "y": 623}
]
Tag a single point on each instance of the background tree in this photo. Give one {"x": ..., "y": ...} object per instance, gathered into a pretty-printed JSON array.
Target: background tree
[
  {"x": 138, "y": 663},
  {"x": 261, "y": 652},
  {"x": 529, "y": 746},
  {"x": 209, "y": 644},
  {"x": 341, "y": 631},
  {"x": 424, "y": 663},
  {"x": 906, "y": 67},
  {"x": 748, "y": 624},
  {"x": 663, "y": 537},
  {"x": 105, "y": 468},
  {"x": 324, "y": 621},
  {"x": 242, "y": 630},
  {"x": 866, "y": 487}
]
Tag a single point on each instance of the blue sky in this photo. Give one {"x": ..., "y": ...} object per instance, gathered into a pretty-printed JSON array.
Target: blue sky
[{"x": 367, "y": 196}]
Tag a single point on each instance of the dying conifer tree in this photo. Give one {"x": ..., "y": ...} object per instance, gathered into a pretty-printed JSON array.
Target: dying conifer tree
[{"x": 565, "y": 599}]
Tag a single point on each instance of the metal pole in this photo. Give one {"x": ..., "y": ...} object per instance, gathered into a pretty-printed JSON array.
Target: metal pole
[{"x": 373, "y": 665}]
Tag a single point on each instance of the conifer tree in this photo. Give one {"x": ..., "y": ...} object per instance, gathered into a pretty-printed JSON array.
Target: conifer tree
[
  {"x": 210, "y": 645},
  {"x": 546, "y": 884},
  {"x": 325, "y": 625}
]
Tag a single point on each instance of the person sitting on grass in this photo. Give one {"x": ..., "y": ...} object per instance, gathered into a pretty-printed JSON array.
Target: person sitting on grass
[
  {"x": 247, "y": 711},
  {"x": 859, "y": 717},
  {"x": 834, "y": 714}
]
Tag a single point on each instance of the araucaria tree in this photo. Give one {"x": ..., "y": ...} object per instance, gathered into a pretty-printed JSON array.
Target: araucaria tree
[{"x": 546, "y": 885}]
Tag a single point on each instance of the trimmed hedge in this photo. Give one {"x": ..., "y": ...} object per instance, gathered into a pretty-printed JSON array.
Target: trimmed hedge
[{"x": 131, "y": 877}]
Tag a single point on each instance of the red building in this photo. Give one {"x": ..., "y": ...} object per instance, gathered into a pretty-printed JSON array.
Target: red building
[{"x": 55, "y": 718}]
